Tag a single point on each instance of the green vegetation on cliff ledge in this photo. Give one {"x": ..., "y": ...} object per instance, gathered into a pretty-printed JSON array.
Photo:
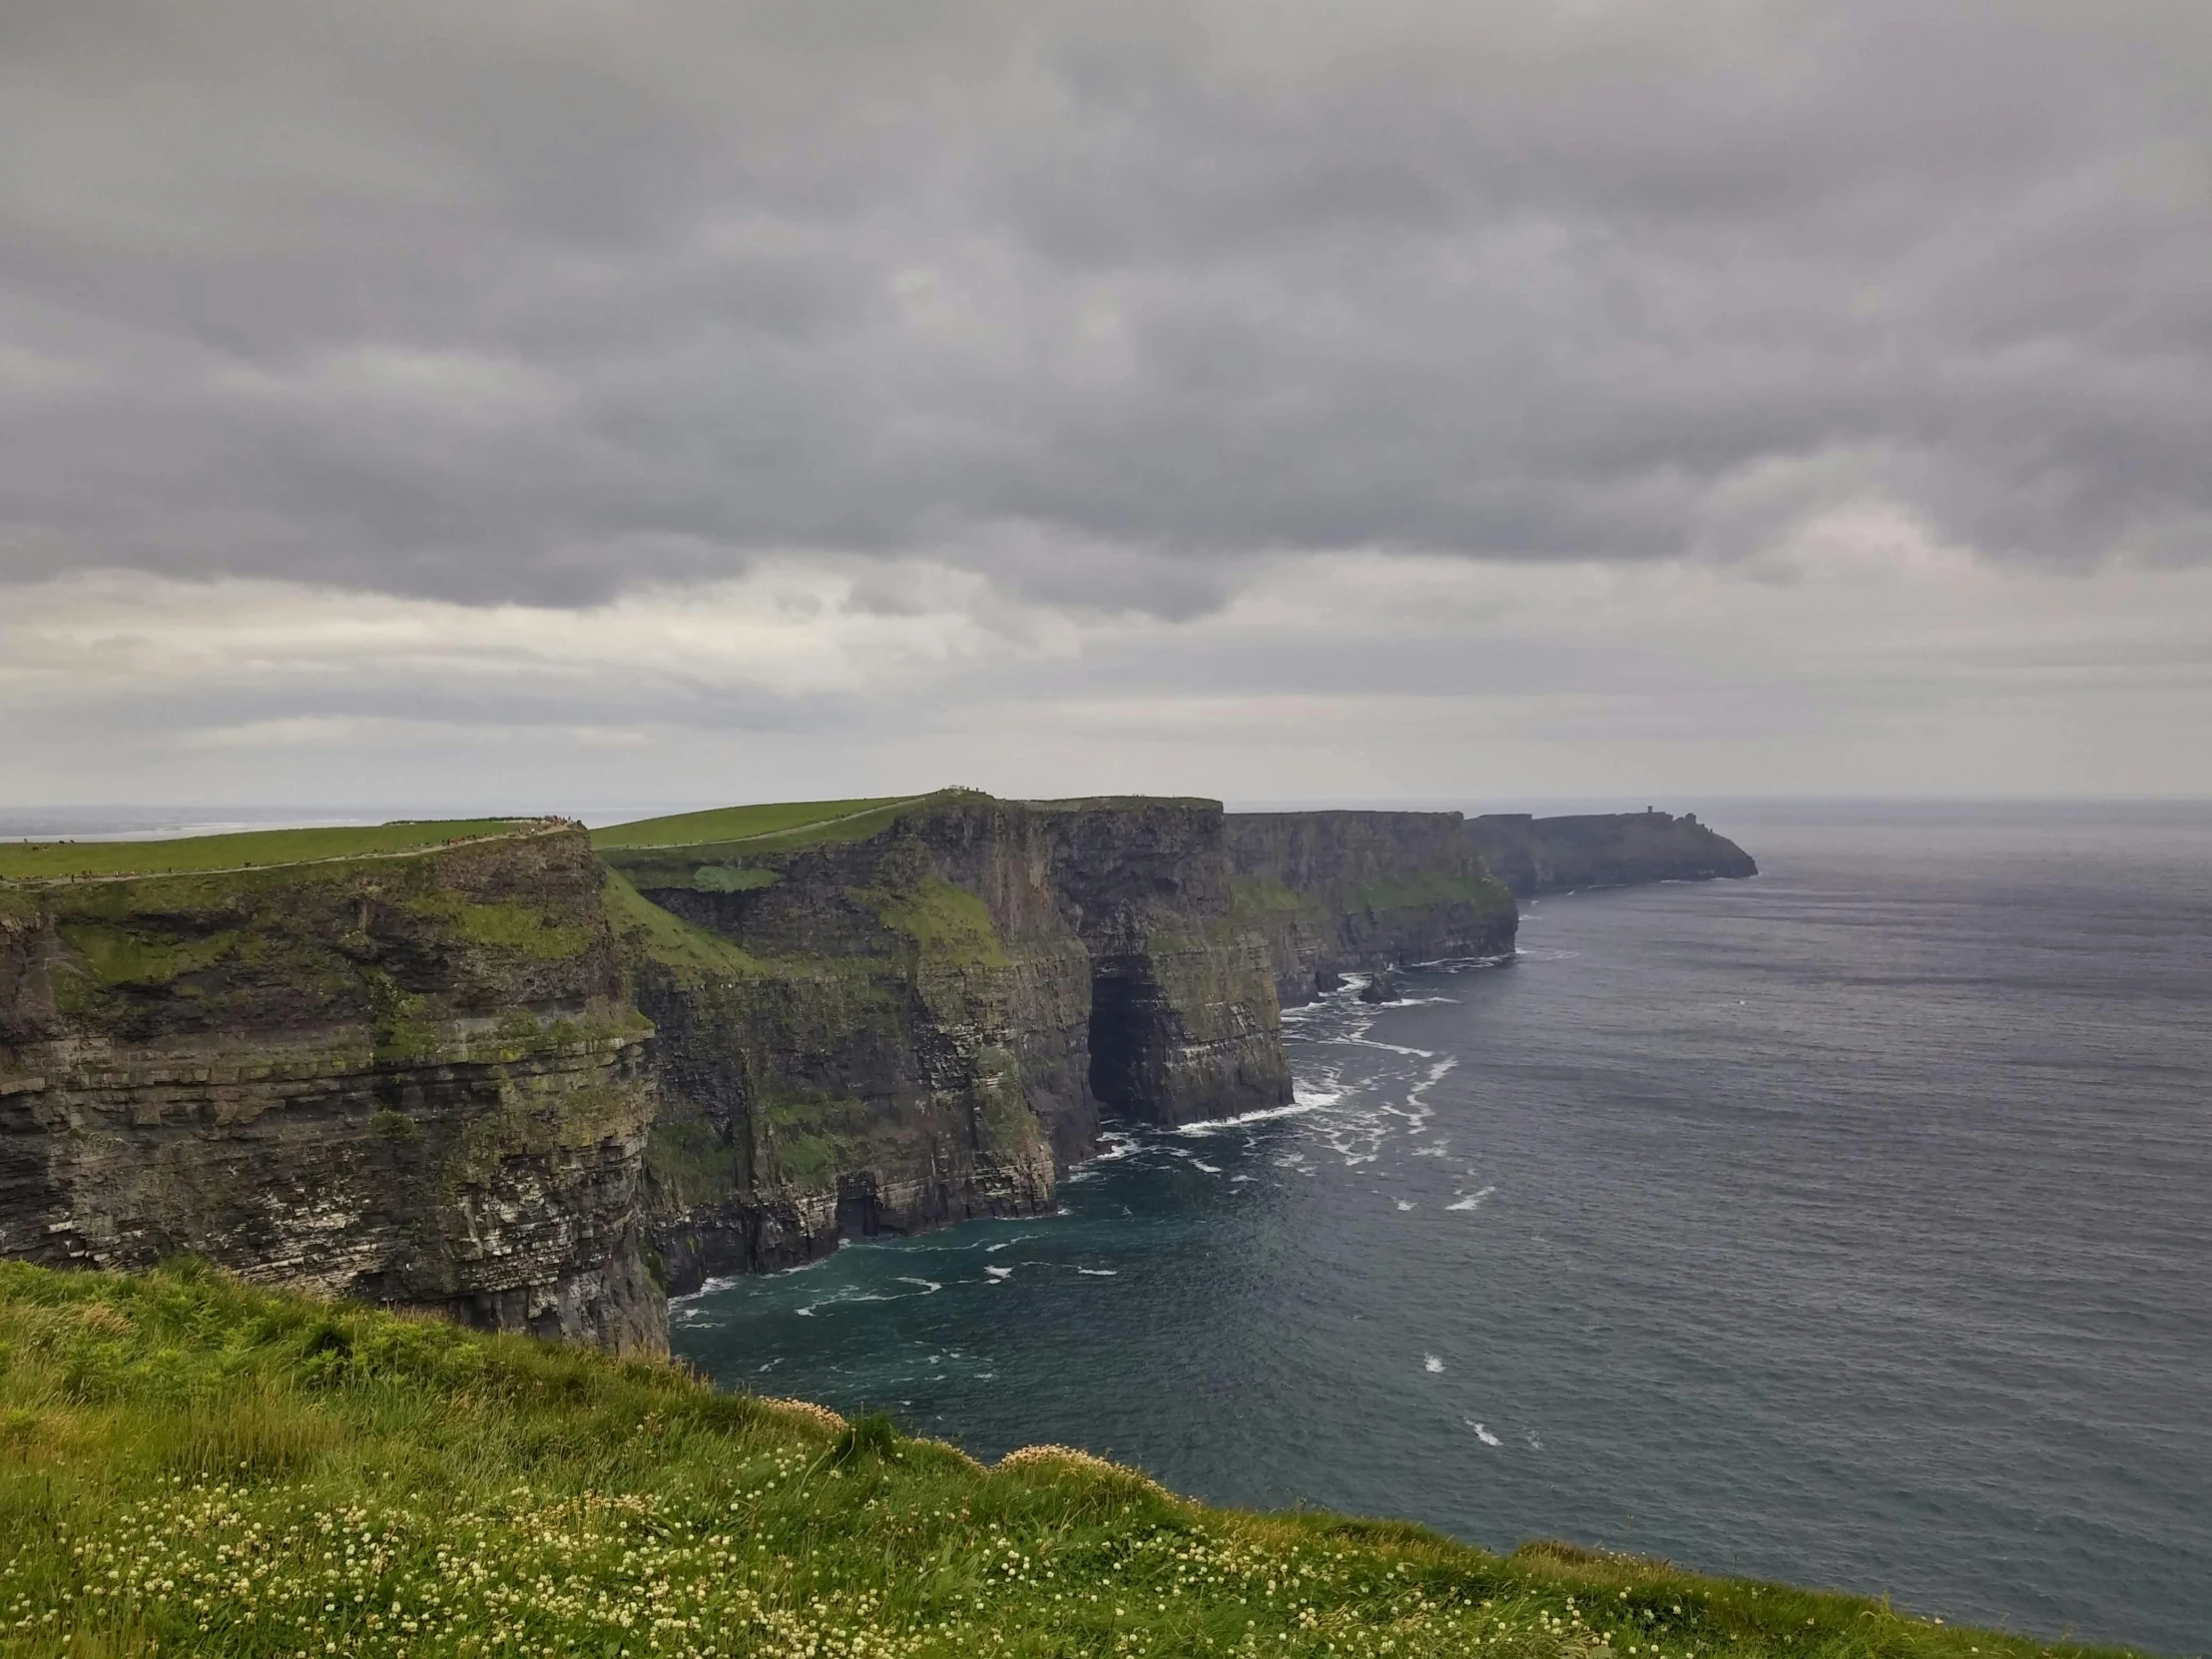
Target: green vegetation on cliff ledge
[
  {"x": 192, "y": 1467},
  {"x": 256, "y": 849}
]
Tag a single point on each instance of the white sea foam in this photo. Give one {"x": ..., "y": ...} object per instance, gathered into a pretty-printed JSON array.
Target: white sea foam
[
  {"x": 1302, "y": 1100},
  {"x": 1481, "y": 1433},
  {"x": 1405, "y": 1204},
  {"x": 1357, "y": 1040},
  {"x": 1099, "y": 1273},
  {"x": 1471, "y": 1201},
  {"x": 1534, "y": 1445},
  {"x": 1210, "y": 1168},
  {"x": 1430, "y": 1363},
  {"x": 999, "y": 1276},
  {"x": 707, "y": 1287},
  {"x": 1113, "y": 1145},
  {"x": 928, "y": 1286}
]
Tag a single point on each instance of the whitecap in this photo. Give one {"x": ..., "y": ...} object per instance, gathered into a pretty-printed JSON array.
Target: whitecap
[
  {"x": 1481, "y": 1433},
  {"x": 1210, "y": 1168},
  {"x": 1472, "y": 1200},
  {"x": 1405, "y": 1204},
  {"x": 1430, "y": 1363},
  {"x": 707, "y": 1287},
  {"x": 999, "y": 1276},
  {"x": 1099, "y": 1273},
  {"x": 928, "y": 1286},
  {"x": 1302, "y": 1100}
]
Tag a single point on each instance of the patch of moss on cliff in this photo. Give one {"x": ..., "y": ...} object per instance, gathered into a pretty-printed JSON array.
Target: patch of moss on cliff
[
  {"x": 689, "y": 1164},
  {"x": 503, "y": 925},
  {"x": 1261, "y": 895},
  {"x": 399, "y": 1024},
  {"x": 536, "y": 1117},
  {"x": 948, "y": 925},
  {"x": 1426, "y": 888},
  {"x": 120, "y": 954},
  {"x": 690, "y": 953},
  {"x": 813, "y": 1138}
]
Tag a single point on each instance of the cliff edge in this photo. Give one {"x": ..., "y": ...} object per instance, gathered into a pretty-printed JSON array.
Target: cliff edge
[
  {"x": 537, "y": 1080},
  {"x": 406, "y": 1075},
  {"x": 1535, "y": 855}
]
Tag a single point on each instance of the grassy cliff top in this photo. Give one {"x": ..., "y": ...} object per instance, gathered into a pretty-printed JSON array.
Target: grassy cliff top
[
  {"x": 192, "y": 1467},
  {"x": 253, "y": 849},
  {"x": 783, "y": 823}
]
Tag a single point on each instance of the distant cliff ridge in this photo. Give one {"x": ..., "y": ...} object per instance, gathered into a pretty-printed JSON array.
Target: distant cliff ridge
[
  {"x": 1603, "y": 850},
  {"x": 537, "y": 1080}
]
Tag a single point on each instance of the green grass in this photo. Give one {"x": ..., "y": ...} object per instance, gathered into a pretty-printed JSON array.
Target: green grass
[
  {"x": 737, "y": 823},
  {"x": 192, "y": 1468},
  {"x": 948, "y": 924},
  {"x": 192, "y": 855},
  {"x": 693, "y": 953}
]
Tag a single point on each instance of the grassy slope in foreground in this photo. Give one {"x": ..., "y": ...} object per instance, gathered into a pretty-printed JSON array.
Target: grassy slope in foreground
[
  {"x": 191, "y": 855},
  {"x": 192, "y": 1467}
]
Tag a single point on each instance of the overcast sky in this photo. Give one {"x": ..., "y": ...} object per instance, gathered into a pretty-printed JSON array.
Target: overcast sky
[{"x": 562, "y": 402}]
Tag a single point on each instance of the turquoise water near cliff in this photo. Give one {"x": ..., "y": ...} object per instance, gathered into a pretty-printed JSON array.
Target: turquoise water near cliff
[{"x": 1849, "y": 1226}]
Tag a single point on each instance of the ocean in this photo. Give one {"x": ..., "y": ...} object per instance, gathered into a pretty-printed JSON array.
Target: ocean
[{"x": 1849, "y": 1226}]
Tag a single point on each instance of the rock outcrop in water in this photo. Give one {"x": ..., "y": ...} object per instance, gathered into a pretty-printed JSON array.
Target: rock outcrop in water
[
  {"x": 410, "y": 1080},
  {"x": 1603, "y": 850},
  {"x": 535, "y": 1086}
]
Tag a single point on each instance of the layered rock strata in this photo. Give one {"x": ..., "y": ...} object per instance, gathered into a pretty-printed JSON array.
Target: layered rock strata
[
  {"x": 536, "y": 1088},
  {"x": 889, "y": 1024},
  {"x": 414, "y": 1080},
  {"x": 1334, "y": 892}
]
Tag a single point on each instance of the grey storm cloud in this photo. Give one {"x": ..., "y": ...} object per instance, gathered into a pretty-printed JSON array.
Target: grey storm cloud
[{"x": 539, "y": 302}]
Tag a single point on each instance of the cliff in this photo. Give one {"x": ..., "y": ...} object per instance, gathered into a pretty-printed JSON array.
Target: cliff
[
  {"x": 1332, "y": 891},
  {"x": 535, "y": 1081},
  {"x": 1603, "y": 850},
  {"x": 409, "y": 1077},
  {"x": 916, "y": 1012}
]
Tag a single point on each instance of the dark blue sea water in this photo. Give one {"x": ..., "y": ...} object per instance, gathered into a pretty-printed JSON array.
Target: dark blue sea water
[{"x": 1849, "y": 1226}]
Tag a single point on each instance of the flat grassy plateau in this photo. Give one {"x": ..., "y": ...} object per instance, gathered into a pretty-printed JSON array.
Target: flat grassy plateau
[
  {"x": 249, "y": 849},
  {"x": 189, "y": 1465}
]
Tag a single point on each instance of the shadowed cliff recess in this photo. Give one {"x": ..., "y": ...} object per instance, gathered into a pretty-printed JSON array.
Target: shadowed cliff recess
[{"x": 538, "y": 1080}]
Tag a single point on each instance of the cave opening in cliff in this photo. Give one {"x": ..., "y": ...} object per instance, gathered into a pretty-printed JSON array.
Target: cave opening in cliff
[{"x": 1119, "y": 1003}]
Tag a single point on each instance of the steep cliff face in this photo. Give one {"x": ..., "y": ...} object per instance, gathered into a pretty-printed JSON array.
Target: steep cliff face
[
  {"x": 411, "y": 1079},
  {"x": 1603, "y": 850},
  {"x": 1338, "y": 891},
  {"x": 917, "y": 1013},
  {"x": 1184, "y": 1022},
  {"x": 499, "y": 1078}
]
